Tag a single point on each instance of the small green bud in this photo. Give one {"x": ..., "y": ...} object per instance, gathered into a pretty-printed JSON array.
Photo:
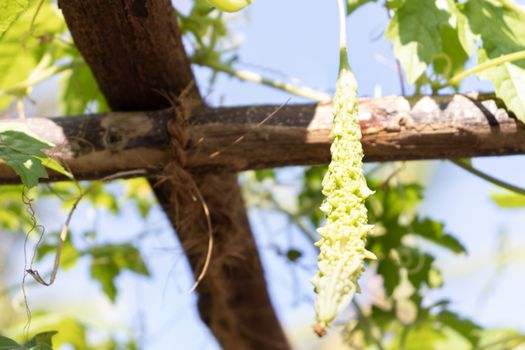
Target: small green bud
[{"x": 230, "y": 5}]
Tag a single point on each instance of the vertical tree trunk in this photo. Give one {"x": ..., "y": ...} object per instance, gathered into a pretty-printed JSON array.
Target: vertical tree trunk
[
  {"x": 233, "y": 300},
  {"x": 135, "y": 51}
]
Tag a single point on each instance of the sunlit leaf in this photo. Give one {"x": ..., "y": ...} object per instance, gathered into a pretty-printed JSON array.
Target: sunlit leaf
[
  {"x": 434, "y": 232},
  {"x": 108, "y": 261},
  {"x": 22, "y": 151},
  {"x": 427, "y": 336},
  {"x": 8, "y": 344},
  {"x": 71, "y": 332},
  {"x": 21, "y": 51},
  {"x": 353, "y": 5},
  {"x": 41, "y": 341},
  {"x": 9, "y": 12},
  {"x": 80, "y": 89},
  {"x": 425, "y": 32},
  {"x": 508, "y": 200},
  {"x": 504, "y": 35},
  {"x": 463, "y": 326},
  {"x": 293, "y": 255}
]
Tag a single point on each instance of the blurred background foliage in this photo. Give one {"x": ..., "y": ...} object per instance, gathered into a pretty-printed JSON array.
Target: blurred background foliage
[{"x": 398, "y": 308}]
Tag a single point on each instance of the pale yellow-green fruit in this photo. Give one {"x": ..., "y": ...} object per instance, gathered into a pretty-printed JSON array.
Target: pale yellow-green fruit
[
  {"x": 343, "y": 237},
  {"x": 230, "y": 5}
]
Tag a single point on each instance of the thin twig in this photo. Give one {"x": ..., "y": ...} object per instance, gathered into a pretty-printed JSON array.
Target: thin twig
[
  {"x": 302, "y": 91},
  {"x": 210, "y": 236},
  {"x": 240, "y": 138},
  {"x": 399, "y": 69},
  {"x": 487, "y": 177},
  {"x": 520, "y": 55},
  {"x": 519, "y": 339},
  {"x": 296, "y": 219},
  {"x": 34, "y": 227},
  {"x": 384, "y": 185},
  {"x": 35, "y": 15},
  {"x": 65, "y": 228}
]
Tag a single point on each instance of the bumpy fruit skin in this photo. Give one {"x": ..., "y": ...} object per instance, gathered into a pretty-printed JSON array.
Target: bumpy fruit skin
[
  {"x": 230, "y": 5},
  {"x": 342, "y": 244}
]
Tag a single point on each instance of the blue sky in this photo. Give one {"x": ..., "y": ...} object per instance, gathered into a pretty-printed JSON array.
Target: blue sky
[{"x": 299, "y": 38}]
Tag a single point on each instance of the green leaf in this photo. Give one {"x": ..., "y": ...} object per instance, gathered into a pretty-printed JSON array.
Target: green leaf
[
  {"x": 502, "y": 339},
  {"x": 138, "y": 190},
  {"x": 419, "y": 266},
  {"x": 389, "y": 269},
  {"x": 79, "y": 89},
  {"x": 355, "y": 4},
  {"x": 424, "y": 337},
  {"x": 427, "y": 336},
  {"x": 52, "y": 164},
  {"x": 264, "y": 174},
  {"x": 293, "y": 255},
  {"x": 9, "y": 12},
  {"x": 463, "y": 326},
  {"x": 69, "y": 256},
  {"x": 433, "y": 231},
  {"x": 41, "y": 347},
  {"x": 105, "y": 273},
  {"x": 509, "y": 81},
  {"x": 71, "y": 332},
  {"x": 99, "y": 197},
  {"x": 8, "y": 344},
  {"x": 22, "y": 151},
  {"x": 310, "y": 198},
  {"x": 21, "y": 51},
  {"x": 465, "y": 34},
  {"x": 505, "y": 34},
  {"x": 394, "y": 4},
  {"x": 13, "y": 216},
  {"x": 451, "y": 60},
  {"x": 109, "y": 261},
  {"x": 425, "y": 32},
  {"x": 41, "y": 341},
  {"x": 508, "y": 200}
]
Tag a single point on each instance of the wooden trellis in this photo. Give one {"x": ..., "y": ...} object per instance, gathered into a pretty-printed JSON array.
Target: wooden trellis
[{"x": 135, "y": 51}]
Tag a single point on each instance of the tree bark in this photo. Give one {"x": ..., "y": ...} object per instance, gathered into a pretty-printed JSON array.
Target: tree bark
[
  {"x": 394, "y": 128},
  {"x": 135, "y": 50}
]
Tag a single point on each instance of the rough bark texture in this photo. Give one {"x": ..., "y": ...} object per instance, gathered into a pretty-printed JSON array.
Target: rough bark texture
[
  {"x": 394, "y": 128},
  {"x": 135, "y": 51}
]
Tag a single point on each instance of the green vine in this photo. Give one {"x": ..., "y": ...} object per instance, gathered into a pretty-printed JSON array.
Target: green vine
[
  {"x": 516, "y": 56},
  {"x": 468, "y": 167},
  {"x": 302, "y": 91}
]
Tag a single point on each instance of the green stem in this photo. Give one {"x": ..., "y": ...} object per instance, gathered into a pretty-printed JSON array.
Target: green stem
[
  {"x": 296, "y": 219},
  {"x": 511, "y": 5},
  {"x": 367, "y": 325},
  {"x": 517, "y": 340},
  {"x": 20, "y": 89},
  {"x": 487, "y": 177},
  {"x": 33, "y": 20},
  {"x": 343, "y": 53},
  {"x": 486, "y": 65},
  {"x": 404, "y": 336},
  {"x": 302, "y": 91}
]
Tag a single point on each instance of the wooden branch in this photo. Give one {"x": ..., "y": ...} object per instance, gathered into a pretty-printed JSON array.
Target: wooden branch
[
  {"x": 394, "y": 128},
  {"x": 135, "y": 50}
]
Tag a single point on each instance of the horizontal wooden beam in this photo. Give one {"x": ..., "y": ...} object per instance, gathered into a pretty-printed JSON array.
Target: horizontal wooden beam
[{"x": 394, "y": 128}]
